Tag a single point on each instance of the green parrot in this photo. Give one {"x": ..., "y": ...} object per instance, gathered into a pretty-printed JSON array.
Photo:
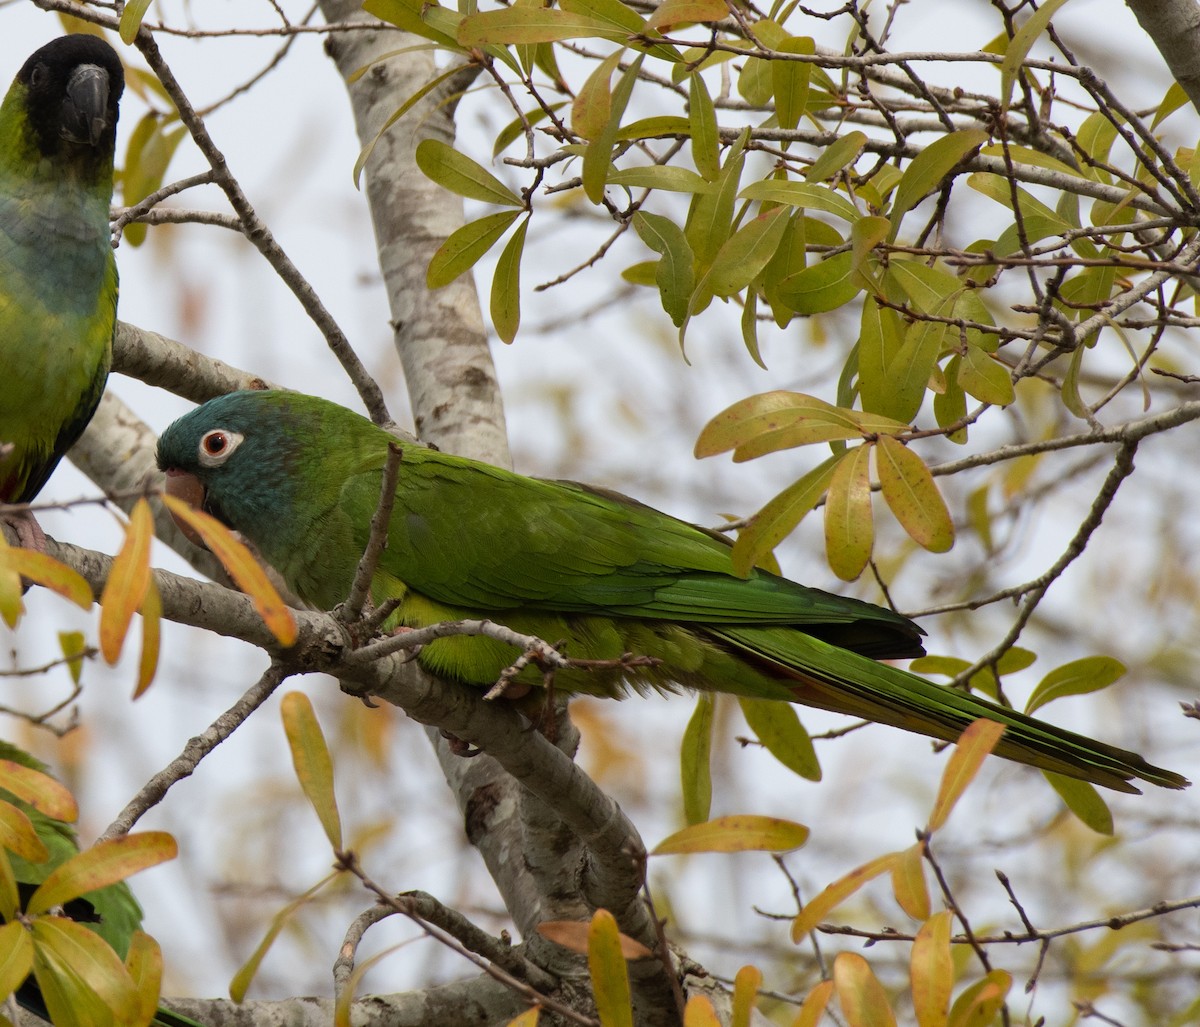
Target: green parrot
[
  {"x": 300, "y": 478},
  {"x": 58, "y": 275},
  {"x": 112, "y": 912}
]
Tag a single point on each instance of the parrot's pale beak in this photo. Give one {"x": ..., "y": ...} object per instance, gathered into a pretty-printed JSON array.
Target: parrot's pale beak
[
  {"x": 85, "y": 110},
  {"x": 187, "y": 487}
]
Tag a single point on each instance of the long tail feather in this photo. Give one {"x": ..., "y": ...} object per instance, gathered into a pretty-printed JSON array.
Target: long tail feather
[{"x": 835, "y": 679}]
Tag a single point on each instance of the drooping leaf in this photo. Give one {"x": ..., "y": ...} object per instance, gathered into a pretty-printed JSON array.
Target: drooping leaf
[
  {"x": 465, "y": 246},
  {"x": 746, "y": 984},
  {"x": 813, "y": 1007},
  {"x": 973, "y": 747},
  {"x": 913, "y": 496},
  {"x": 908, "y": 882},
  {"x": 980, "y": 1003},
  {"x": 779, "y": 518},
  {"x": 506, "y": 286},
  {"x": 144, "y": 964},
  {"x": 16, "y": 956},
  {"x": 744, "y": 254},
  {"x": 131, "y": 19},
  {"x": 79, "y": 975},
  {"x": 932, "y": 970},
  {"x": 790, "y": 80},
  {"x": 863, "y": 999},
  {"x": 127, "y": 582},
  {"x": 985, "y": 379},
  {"x": 695, "y": 770},
  {"x": 702, "y": 122},
  {"x": 597, "y": 157},
  {"x": 593, "y": 103},
  {"x": 151, "y": 638},
  {"x": 674, "y": 273},
  {"x": 17, "y": 834},
  {"x": 835, "y": 894},
  {"x": 928, "y": 168},
  {"x": 849, "y": 525},
  {"x": 610, "y": 976},
  {"x": 823, "y": 286},
  {"x": 1084, "y": 801},
  {"x": 1020, "y": 45},
  {"x": 311, "y": 759},
  {"x": 778, "y": 727},
  {"x": 574, "y": 935}
]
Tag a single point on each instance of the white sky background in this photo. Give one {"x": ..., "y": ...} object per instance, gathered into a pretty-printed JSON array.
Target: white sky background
[{"x": 634, "y": 410}]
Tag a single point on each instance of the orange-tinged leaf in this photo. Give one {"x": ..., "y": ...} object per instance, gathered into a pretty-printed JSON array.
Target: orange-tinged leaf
[
  {"x": 40, "y": 790},
  {"x": 864, "y": 1002},
  {"x": 574, "y": 935},
  {"x": 700, "y": 1012},
  {"x": 813, "y": 1006},
  {"x": 836, "y": 893},
  {"x": 597, "y": 156},
  {"x": 127, "y": 582},
  {"x": 16, "y": 957},
  {"x": 10, "y": 897},
  {"x": 144, "y": 963},
  {"x": 151, "y": 638},
  {"x": 593, "y": 103},
  {"x": 932, "y": 970},
  {"x": 741, "y": 832},
  {"x": 745, "y": 994},
  {"x": 979, "y": 1004},
  {"x": 913, "y": 496},
  {"x": 529, "y": 1018},
  {"x": 908, "y": 882},
  {"x": 49, "y": 573},
  {"x": 849, "y": 528},
  {"x": 973, "y": 747},
  {"x": 103, "y": 864},
  {"x": 672, "y": 13},
  {"x": 310, "y": 756},
  {"x": 695, "y": 771},
  {"x": 242, "y": 567},
  {"x": 80, "y": 976},
  {"x": 610, "y": 977},
  {"x": 11, "y": 604},
  {"x": 17, "y": 834}
]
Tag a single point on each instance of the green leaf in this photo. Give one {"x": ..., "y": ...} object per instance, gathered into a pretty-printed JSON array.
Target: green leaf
[
  {"x": 702, "y": 121},
  {"x": 929, "y": 168},
  {"x": 1020, "y": 45},
  {"x": 151, "y": 147},
  {"x": 981, "y": 1002},
  {"x": 610, "y": 976},
  {"x": 744, "y": 254},
  {"x": 311, "y": 759},
  {"x": 710, "y": 217},
  {"x": 791, "y": 80},
  {"x": 913, "y": 496},
  {"x": 738, "y": 833},
  {"x": 673, "y": 13},
  {"x": 506, "y": 286},
  {"x": 458, "y": 173},
  {"x": 409, "y": 15},
  {"x": 597, "y": 157},
  {"x": 465, "y": 246},
  {"x": 777, "y": 726},
  {"x": 625, "y": 22},
  {"x": 1084, "y": 801},
  {"x": 836, "y": 156},
  {"x": 849, "y": 527},
  {"x": 674, "y": 273},
  {"x": 694, "y": 768},
  {"x": 950, "y": 406},
  {"x": 534, "y": 25},
  {"x": 131, "y": 19},
  {"x": 985, "y": 379},
  {"x": 807, "y": 195},
  {"x": 1079, "y": 677},
  {"x": 821, "y": 287},
  {"x": 880, "y": 338},
  {"x": 779, "y": 518},
  {"x": 661, "y": 176}
]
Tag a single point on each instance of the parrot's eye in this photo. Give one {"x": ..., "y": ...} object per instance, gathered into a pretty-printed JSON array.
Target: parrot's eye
[
  {"x": 37, "y": 76},
  {"x": 217, "y": 445}
]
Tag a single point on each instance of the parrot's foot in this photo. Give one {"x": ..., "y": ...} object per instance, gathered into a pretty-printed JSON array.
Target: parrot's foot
[{"x": 29, "y": 532}]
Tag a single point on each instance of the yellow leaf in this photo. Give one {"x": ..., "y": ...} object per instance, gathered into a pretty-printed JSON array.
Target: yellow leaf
[
  {"x": 144, "y": 963},
  {"x": 780, "y": 516},
  {"x": 127, "y": 582},
  {"x": 73, "y": 646},
  {"x": 837, "y": 892},
  {"x": 973, "y": 747},
  {"x": 590, "y": 111},
  {"x": 864, "y": 1002},
  {"x": 908, "y": 882},
  {"x": 103, "y": 864},
  {"x": 49, "y": 573},
  {"x": 574, "y": 934},
  {"x": 673, "y": 13},
  {"x": 242, "y": 567},
  {"x": 737, "y": 833},
  {"x": 529, "y": 1018},
  {"x": 11, "y": 604},
  {"x": 979, "y": 1004},
  {"x": 695, "y": 771},
  {"x": 151, "y": 638},
  {"x": 912, "y": 496},
  {"x": 81, "y": 979},
  {"x": 699, "y": 1012},
  {"x": 610, "y": 978},
  {"x": 849, "y": 529},
  {"x": 932, "y": 970},
  {"x": 16, "y": 957},
  {"x": 17, "y": 834},
  {"x": 745, "y": 993},
  {"x": 131, "y": 19},
  {"x": 813, "y": 1007},
  {"x": 310, "y": 756}
]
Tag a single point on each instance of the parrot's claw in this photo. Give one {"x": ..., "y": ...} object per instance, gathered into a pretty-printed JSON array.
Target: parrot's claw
[
  {"x": 460, "y": 748},
  {"x": 29, "y": 532}
]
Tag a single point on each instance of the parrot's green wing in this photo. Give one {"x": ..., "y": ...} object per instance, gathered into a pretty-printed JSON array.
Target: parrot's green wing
[
  {"x": 58, "y": 277},
  {"x": 111, "y": 912}
]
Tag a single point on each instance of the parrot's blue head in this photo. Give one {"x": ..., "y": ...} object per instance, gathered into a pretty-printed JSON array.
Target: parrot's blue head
[{"x": 233, "y": 457}]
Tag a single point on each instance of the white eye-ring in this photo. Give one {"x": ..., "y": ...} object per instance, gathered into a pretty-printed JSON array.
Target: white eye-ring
[{"x": 217, "y": 446}]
